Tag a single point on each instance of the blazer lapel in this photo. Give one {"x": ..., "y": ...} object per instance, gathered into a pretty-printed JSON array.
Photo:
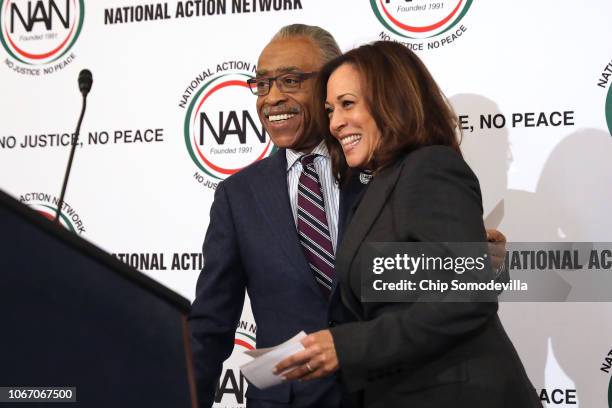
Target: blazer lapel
[
  {"x": 348, "y": 196},
  {"x": 272, "y": 195},
  {"x": 374, "y": 198}
]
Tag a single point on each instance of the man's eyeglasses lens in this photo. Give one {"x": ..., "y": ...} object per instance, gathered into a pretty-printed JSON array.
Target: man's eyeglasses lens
[{"x": 285, "y": 83}]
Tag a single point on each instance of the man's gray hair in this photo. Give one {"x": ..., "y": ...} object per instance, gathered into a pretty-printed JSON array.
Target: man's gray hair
[{"x": 322, "y": 38}]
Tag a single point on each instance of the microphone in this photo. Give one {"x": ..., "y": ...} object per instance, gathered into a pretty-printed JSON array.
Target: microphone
[{"x": 85, "y": 81}]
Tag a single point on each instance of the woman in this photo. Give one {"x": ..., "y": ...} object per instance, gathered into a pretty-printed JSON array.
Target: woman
[{"x": 387, "y": 115}]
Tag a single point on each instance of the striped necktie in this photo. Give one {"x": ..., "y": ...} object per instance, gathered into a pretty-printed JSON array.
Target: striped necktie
[{"x": 313, "y": 227}]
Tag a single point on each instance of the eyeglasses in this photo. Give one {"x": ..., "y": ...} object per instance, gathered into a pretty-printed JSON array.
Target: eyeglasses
[{"x": 288, "y": 83}]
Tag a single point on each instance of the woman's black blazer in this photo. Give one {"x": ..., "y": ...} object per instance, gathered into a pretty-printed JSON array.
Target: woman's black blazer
[{"x": 424, "y": 354}]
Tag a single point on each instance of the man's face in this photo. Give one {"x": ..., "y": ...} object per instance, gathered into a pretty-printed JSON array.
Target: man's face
[{"x": 285, "y": 115}]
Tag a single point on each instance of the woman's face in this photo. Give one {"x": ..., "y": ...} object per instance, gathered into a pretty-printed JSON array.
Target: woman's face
[{"x": 350, "y": 120}]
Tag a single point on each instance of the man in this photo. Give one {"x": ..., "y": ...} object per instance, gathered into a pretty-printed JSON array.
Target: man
[{"x": 252, "y": 242}]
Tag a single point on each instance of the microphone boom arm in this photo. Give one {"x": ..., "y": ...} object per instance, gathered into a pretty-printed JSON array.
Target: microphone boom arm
[{"x": 75, "y": 141}]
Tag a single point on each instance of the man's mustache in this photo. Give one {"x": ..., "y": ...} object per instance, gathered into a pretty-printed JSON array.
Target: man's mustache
[{"x": 267, "y": 111}]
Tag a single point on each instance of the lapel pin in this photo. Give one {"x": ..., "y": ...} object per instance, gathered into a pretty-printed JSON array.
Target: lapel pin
[{"x": 365, "y": 176}]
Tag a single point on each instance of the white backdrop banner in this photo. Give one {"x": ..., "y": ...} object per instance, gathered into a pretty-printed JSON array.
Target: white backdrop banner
[{"x": 169, "y": 117}]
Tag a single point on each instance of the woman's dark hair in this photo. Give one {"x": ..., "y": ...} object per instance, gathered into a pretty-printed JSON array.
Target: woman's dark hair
[{"x": 402, "y": 97}]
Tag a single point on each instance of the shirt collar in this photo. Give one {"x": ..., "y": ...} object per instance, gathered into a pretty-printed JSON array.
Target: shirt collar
[{"x": 293, "y": 155}]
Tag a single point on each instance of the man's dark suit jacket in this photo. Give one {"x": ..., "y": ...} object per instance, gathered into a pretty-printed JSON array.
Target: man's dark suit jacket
[
  {"x": 424, "y": 354},
  {"x": 252, "y": 243}
]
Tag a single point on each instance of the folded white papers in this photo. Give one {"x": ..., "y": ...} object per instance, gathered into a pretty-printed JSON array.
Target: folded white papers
[{"x": 259, "y": 370}]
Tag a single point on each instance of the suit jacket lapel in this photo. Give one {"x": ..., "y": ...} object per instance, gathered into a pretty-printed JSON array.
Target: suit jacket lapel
[
  {"x": 374, "y": 198},
  {"x": 272, "y": 196}
]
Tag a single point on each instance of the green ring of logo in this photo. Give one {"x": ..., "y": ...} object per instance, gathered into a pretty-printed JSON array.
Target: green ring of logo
[
  {"x": 252, "y": 338},
  {"x": 78, "y": 32},
  {"x": 609, "y": 113},
  {"x": 610, "y": 394},
  {"x": 395, "y": 31}
]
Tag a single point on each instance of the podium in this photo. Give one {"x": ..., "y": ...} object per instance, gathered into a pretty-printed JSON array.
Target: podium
[{"x": 74, "y": 316}]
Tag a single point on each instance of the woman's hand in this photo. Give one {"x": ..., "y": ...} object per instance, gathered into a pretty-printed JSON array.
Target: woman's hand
[
  {"x": 317, "y": 360},
  {"x": 497, "y": 248}
]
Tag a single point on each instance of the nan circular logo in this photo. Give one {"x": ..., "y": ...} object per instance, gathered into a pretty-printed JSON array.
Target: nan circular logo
[
  {"x": 222, "y": 131},
  {"x": 421, "y": 19},
  {"x": 46, "y": 205},
  {"x": 40, "y": 32}
]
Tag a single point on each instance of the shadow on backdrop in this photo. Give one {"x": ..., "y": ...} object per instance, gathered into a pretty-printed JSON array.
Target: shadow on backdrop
[{"x": 570, "y": 204}]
